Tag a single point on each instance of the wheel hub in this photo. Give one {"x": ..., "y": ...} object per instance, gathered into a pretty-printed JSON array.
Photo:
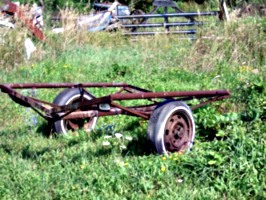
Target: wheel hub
[
  {"x": 75, "y": 124},
  {"x": 177, "y": 132}
]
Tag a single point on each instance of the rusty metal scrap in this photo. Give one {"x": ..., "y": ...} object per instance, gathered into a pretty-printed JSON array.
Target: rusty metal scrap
[{"x": 15, "y": 9}]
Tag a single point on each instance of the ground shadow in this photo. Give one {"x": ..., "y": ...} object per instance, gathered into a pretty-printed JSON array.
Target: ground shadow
[
  {"x": 26, "y": 153},
  {"x": 45, "y": 129},
  {"x": 139, "y": 147},
  {"x": 33, "y": 155}
]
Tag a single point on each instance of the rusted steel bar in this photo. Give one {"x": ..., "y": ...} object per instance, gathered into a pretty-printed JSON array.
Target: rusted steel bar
[
  {"x": 25, "y": 100},
  {"x": 138, "y": 95},
  {"x": 130, "y": 111},
  {"x": 81, "y": 114},
  {"x": 144, "y": 109},
  {"x": 132, "y": 89},
  {"x": 143, "y": 112},
  {"x": 61, "y": 85},
  {"x": 146, "y": 95},
  {"x": 209, "y": 101},
  {"x": 93, "y": 113},
  {"x": 185, "y": 14},
  {"x": 74, "y": 106}
]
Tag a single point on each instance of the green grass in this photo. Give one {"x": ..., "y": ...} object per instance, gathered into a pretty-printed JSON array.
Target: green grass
[{"x": 228, "y": 157}]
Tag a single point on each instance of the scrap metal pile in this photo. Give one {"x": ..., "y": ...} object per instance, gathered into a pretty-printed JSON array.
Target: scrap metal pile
[
  {"x": 112, "y": 16},
  {"x": 31, "y": 17}
]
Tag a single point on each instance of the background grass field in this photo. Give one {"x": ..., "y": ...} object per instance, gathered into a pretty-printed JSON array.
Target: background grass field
[{"x": 228, "y": 157}]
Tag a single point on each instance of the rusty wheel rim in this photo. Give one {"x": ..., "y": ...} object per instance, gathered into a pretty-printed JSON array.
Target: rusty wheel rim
[
  {"x": 178, "y": 132},
  {"x": 75, "y": 124}
]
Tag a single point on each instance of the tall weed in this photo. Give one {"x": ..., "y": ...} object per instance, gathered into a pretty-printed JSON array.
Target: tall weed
[{"x": 237, "y": 43}]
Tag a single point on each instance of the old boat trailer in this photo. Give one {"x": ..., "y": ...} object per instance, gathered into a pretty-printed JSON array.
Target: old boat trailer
[{"x": 171, "y": 126}]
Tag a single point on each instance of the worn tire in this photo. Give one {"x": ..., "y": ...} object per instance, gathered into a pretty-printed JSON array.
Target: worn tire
[
  {"x": 171, "y": 127},
  {"x": 137, "y": 12},
  {"x": 69, "y": 96}
]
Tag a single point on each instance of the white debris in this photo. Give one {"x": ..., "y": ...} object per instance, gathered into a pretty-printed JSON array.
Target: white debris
[
  {"x": 37, "y": 15},
  {"x": 6, "y": 23},
  {"x": 98, "y": 21},
  {"x": 118, "y": 135},
  {"x": 255, "y": 71},
  {"x": 17, "y": 3},
  {"x": 106, "y": 143},
  {"x": 179, "y": 180},
  {"x": 107, "y": 136},
  {"x": 123, "y": 147},
  {"x": 30, "y": 48},
  {"x": 129, "y": 138},
  {"x": 58, "y": 30}
]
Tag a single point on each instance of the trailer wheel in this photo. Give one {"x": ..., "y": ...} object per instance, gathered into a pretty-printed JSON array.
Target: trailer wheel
[
  {"x": 171, "y": 127},
  {"x": 138, "y": 20},
  {"x": 67, "y": 97}
]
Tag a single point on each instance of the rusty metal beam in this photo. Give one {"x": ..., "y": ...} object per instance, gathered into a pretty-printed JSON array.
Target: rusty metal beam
[
  {"x": 209, "y": 101},
  {"x": 146, "y": 95},
  {"x": 13, "y": 8},
  {"x": 81, "y": 114},
  {"x": 140, "y": 94},
  {"x": 75, "y": 106},
  {"x": 130, "y": 111},
  {"x": 25, "y": 100},
  {"x": 61, "y": 85}
]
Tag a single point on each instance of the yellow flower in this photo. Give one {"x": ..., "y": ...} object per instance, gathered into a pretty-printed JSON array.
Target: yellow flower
[
  {"x": 163, "y": 168},
  {"x": 246, "y": 68},
  {"x": 164, "y": 158}
]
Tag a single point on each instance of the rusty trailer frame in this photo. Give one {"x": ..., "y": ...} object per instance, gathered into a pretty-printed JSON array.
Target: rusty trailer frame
[{"x": 108, "y": 105}]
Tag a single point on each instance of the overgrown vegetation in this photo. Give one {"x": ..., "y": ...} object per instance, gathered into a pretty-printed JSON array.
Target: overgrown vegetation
[
  {"x": 228, "y": 157},
  {"x": 145, "y": 5}
]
